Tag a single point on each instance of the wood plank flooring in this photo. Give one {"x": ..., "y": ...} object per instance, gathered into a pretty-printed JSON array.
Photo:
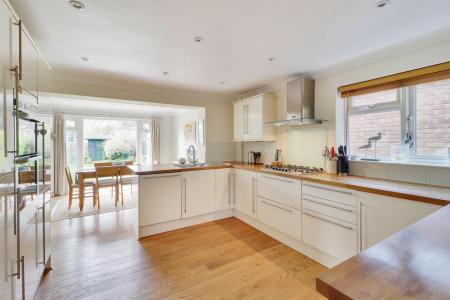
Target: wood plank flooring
[{"x": 97, "y": 257}]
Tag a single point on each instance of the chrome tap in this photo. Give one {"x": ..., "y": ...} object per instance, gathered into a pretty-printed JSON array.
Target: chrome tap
[{"x": 191, "y": 158}]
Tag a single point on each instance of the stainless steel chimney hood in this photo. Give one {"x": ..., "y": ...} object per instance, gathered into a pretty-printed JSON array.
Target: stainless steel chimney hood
[{"x": 300, "y": 103}]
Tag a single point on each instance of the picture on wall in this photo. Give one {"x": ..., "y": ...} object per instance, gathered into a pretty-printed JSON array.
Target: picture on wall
[{"x": 190, "y": 133}]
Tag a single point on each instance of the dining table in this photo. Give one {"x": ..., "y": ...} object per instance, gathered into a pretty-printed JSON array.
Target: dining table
[{"x": 89, "y": 172}]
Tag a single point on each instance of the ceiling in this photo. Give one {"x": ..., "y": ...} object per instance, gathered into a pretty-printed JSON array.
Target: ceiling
[
  {"x": 142, "y": 39},
  {"x": 106, "y": 107}
]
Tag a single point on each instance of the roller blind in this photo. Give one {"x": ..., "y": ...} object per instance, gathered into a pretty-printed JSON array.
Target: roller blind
[{"x": 408, "y": 78}]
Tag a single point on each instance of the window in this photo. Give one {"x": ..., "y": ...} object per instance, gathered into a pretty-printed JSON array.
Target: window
[{"x": 406, "y": 122}]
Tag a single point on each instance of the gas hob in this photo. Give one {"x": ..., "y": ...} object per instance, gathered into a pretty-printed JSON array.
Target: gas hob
[{"x": 294, "y": 169}]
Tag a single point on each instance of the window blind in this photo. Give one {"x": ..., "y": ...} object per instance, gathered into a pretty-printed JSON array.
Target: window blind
[{"x": 408, "y": 78}]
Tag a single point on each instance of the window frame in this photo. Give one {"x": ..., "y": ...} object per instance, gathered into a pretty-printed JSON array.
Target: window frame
[{"x": 406, "y": 104}]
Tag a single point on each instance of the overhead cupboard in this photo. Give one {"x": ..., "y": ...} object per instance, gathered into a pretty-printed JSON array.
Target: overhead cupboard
[{"x": 252, "y": 117}]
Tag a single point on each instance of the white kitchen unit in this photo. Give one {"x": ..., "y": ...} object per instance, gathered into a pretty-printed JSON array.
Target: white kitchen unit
[
  {"x": 329, "y": 220},
  {"x": 198, "y": 193},
  {"x": 280, "y": 189},
  {"x": 251, "y": 116},
  {"x": 159, "y": 198},
  {"x": 382, "y": 216},
  {"x": 224, "y": 188},
  {"x": 246, "y": 192}
]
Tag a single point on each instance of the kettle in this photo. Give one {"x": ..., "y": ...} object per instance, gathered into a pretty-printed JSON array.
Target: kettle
[{"x": 253, "y": 157}]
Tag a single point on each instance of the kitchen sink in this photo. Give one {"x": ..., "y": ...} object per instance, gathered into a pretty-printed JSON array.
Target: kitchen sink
[{"x": 197, "y": 165}]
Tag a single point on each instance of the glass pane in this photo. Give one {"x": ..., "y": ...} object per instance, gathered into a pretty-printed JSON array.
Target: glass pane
[
  {"x": 146, "y": 144},
  {"x": 375, "y": 98},
  {"x": 109, "y": 140},
  {"x": 71, "y": 145},
  {"x": 433, "y": 118},
  {"x": 363, "y": 127}
]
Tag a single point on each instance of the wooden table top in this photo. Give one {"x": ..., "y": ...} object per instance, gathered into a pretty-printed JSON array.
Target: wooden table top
[
  {"x": 170, "y": 168},
  {"x": 398, "y": 189},
  {"x": 411, "y": 264}
]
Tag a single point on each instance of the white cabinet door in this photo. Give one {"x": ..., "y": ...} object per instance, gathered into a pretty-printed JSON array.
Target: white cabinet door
[
  {"x": 223, "y": 189},
  {"x": 382, "y": 216},
  {"x": 239, "y": 116},
  {"x": 246, "y": 193},
  {"x": 255, "y": 118},
  {"x": 199, "y": 192},
  {"x": 280, "y": 189},
  {"x": 281, "y": 217},
  {"x": 159, "y": 198},
  {"x": 329, "y": 235}
]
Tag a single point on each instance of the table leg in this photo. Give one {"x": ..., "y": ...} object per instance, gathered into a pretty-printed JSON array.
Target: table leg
[
  {"x": 81, "y": 191},
  {"x": 117, "y": 194}
]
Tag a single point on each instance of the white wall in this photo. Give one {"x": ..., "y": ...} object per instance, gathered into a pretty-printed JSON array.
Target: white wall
[{"x": 167, "y": 142}]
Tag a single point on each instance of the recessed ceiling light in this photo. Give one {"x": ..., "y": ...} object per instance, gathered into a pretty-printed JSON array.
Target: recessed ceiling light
[
  {"x": 382, "y": 3},
  {"x": 222, "y": 82},
  {"x": 77, "y": 4},
  {"x": 165, "y": 73},
  {"x": 271, "y": 59},
  {"x": 198, "y": 39},
  {"x": 85, "y": 58}
]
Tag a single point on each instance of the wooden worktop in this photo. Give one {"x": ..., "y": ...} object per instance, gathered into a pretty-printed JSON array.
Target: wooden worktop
[
  {"x": 411, "y": 191},
  {"x": 411, "y": 264}
]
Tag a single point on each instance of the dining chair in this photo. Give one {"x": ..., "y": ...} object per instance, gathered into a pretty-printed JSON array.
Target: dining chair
[
  {"x": 107, "y": 176},
  {"x": 74, "y": 185},
  {"x": 126, "y": 177}
]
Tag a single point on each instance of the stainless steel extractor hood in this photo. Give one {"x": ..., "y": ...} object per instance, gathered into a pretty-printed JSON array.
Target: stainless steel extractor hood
[{"x": 300, "y": 103}]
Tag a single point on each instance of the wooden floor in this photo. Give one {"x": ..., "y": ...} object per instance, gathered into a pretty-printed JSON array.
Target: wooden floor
[{"x": 96, "y": 257}]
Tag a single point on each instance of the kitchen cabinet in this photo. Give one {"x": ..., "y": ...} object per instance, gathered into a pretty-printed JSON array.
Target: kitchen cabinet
[
  {"x": 246, "y": 192},
  {"x": 382, "y": 216},
  {"x": 159, "y": 198},
  {"x": 224, "y": 186},
  {"x": 198, "y": 193},
  {"x": 329, "y": 219},
  {"x": 251, "y": 117},
  {"x": 281, "y": 217},
  {"x": 280, "y": 189}
]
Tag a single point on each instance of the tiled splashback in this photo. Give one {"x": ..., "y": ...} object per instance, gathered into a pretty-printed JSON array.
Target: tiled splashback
[{"x": 416, "y": 174}]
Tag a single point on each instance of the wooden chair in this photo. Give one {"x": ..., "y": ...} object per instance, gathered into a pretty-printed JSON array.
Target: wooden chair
[
  {"x": 73, "y": 185},
  {"x": 126, "y": 177},
  {"x": 112, "y": 174}
]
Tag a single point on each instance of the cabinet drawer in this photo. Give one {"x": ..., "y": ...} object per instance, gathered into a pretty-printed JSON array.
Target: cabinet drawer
[
  {"x": 279, "y": 189},
  {"x": 336, "y": 210},
  {"x": 280, "y": 217},
  {"x": 331, "y": 236},
  {"x": 327, "y": 192}
]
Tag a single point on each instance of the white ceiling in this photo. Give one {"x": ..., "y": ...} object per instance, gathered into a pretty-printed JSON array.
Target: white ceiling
[
  {"x": 106, "y": 107},
  {"x": 141, "y": 39}
]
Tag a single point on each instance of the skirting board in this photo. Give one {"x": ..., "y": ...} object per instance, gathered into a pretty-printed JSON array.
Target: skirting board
[
  {"x": 145, "y": 231},
  {"x": 313, "y": 253}
]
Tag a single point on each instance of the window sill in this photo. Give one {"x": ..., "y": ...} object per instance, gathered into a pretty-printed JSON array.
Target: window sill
[{"x": 414, "y": 163}]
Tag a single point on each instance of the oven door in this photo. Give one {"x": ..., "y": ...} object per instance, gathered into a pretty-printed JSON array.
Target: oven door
[{"x": 26, "y": 124}]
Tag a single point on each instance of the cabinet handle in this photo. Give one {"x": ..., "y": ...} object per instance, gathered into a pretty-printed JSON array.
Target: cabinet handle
[
  {"x": 328, "y": 189},
  {"x": 22, "y": 259},
  {"x": 332, "y": 206},
  {"x": 234, "y": 189},
  {"x": 185, "y": 201},
  {"x": 146, "y": 178},
  {"x": 229, "y": 188},
  {"x": 328, "y": 221},
  {"x": 20, "y": 48},
  {"x": 277, "y": 206},
  {"x": 361, "y": 226},
  {"x": 253, "y": 195},
  {"x": 276, "y": 178}
]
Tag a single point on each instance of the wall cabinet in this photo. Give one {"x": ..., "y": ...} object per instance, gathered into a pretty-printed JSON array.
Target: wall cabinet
[
  {"x": 159, "y": 198},
  {"x": 198, "y": 193},
  {"x": 224, "y": 187},
  {"x": 246, "y": 192},
  {"x": 382, "y": 216},
  {"x": 251, "y": 116}
]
